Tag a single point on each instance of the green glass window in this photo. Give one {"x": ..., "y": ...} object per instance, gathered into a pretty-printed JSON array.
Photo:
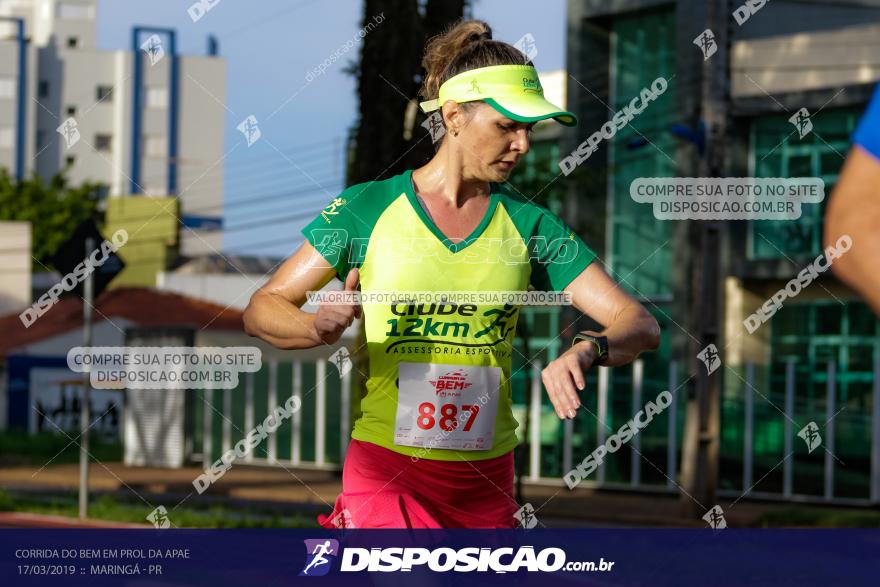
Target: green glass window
[
  {"x": 811, "y": 335},
  {"x": 777, "y": 151},
  {"x": 643, "y": 49}
]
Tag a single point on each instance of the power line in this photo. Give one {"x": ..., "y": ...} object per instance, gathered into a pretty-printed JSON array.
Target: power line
[
  {"x": 225, "y": 36},
  {"x": 263, "y": 223}
]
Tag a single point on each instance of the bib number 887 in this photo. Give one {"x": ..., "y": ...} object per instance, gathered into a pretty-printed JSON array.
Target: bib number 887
[{"x": 448, "y": 417}]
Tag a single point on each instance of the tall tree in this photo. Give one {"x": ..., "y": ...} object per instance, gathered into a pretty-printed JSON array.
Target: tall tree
[
  {"x": 388, "y": 80},
  {"x": 53, "y": 208}
]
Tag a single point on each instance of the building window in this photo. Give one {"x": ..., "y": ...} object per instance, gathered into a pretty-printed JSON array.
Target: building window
[
  {"x": 777, "y": 152},
  {"x": 7, "y": 87},
  {"x": 41, "y": 139},
  {"x": 69, "y": 160},
  {"x": 155, "y": 146},
  {"x": 811, "y": 335},
  {"x": 72, "y": 11},
  {"x": 72, "y": 42},
  {"x": 43, "y": 88},
  {"x": 644, "y": 49},
  {"x": 157, "y": 97},
  {"x": 104, "y": 93},
  {"x": 71, "y": 110},
  {"x": 103, "y": 142},
  {"x": 6, "y": 137}
]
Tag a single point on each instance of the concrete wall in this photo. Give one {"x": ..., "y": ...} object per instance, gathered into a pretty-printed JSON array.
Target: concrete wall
[
  {"x": 15, "y": 266},
  {"x": 805, "y": 61}
]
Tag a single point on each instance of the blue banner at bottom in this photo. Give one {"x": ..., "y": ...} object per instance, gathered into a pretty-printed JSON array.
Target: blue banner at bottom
[{"x": 268, "y": 558}]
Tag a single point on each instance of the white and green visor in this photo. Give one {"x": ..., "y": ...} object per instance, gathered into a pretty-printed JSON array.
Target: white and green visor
[{"x": 513, "y": 90}]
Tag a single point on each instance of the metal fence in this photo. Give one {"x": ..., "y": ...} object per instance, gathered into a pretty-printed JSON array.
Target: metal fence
[{"x": 761, "y": 455}]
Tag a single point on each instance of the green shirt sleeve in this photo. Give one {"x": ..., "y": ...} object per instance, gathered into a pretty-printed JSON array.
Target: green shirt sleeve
[
  {"x": 333, "y": 231},
  {"x": 558, "y": 254}
]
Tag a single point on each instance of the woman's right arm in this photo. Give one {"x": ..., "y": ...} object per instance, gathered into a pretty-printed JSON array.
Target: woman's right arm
[{"x": 274, "y": 313}]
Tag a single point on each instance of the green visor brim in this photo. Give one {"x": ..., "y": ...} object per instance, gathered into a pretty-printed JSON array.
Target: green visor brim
[{"x": 531, "y": 109}]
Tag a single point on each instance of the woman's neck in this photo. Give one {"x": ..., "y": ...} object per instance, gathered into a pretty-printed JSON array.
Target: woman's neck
[{"x": 444, "y": 177}]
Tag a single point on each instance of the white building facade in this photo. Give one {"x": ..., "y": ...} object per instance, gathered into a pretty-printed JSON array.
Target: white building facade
[{"x": 142, "y": 121}]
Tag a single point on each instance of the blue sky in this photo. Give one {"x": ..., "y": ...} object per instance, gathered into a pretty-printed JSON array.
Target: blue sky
[{"x": 269, "y": 47}]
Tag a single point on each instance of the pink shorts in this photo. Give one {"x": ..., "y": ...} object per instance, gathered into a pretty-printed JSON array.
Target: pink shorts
[{"x": 385, "y": 489}]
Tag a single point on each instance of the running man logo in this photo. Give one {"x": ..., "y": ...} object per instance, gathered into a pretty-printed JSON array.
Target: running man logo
[
  {"x": 810, "y": 434},
  {"x": 330, "y": 210},
  {"x": 69, "y": 131},
  {"x": 710, "y": 358},
  {"x": 342, "y": 360},
  {"x": 801, "y": 121},
  {"x": 450, "y": 384},
  {"x": 153, "y": 48},
  {"x": 343, "y": 520},
  {"x": 159, "y": 517},
  {"x": 706, "y": 42},
  {"x": 715, "y": 518},
  {"x": 434, "y": 125},
  {"x": 527, "y": 47},
  {"x": 319, "y": 554},
  {"x": 525, "y": 516},
  {"x": 250, "y": 128}
]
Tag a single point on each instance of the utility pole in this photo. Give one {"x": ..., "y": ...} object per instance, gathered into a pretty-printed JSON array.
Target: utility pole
[
  {"x": 702, "y": 426},
  {"x": 85, "y": 407}
]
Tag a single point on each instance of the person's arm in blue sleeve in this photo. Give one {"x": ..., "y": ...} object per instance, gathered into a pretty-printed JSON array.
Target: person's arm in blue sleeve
[{"x": 854, "y": 209}]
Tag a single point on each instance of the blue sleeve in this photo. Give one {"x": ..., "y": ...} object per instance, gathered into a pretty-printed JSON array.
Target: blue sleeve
[{"x": 867, "y": 134}]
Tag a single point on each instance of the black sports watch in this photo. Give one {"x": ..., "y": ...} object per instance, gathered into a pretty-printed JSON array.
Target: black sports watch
[{"x": 601, "y": 343}]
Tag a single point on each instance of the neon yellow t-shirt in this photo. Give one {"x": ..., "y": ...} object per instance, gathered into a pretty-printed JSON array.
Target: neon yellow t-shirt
[{"x": 439, "y": 373}]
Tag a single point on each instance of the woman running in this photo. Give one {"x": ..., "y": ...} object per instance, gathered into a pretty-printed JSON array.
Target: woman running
[{"x": 433, "y": 447}]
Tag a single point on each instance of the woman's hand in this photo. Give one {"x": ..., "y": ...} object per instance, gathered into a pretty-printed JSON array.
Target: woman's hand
[
  {"x": 331, "y": 320},
  {"x": 564, "y": 376}
]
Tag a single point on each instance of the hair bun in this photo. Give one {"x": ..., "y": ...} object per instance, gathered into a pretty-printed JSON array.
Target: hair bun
[{"x": 481, "y": 36}]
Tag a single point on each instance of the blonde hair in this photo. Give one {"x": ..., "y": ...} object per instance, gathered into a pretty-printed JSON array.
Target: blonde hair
[{"x": 464, "y": 45}]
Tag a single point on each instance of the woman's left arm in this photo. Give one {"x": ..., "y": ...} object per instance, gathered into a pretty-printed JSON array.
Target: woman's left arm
[{"x": 629, "y": 327}]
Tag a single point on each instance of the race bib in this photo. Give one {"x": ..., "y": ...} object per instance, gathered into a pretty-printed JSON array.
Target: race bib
[{"x": 446, "y": 406}]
